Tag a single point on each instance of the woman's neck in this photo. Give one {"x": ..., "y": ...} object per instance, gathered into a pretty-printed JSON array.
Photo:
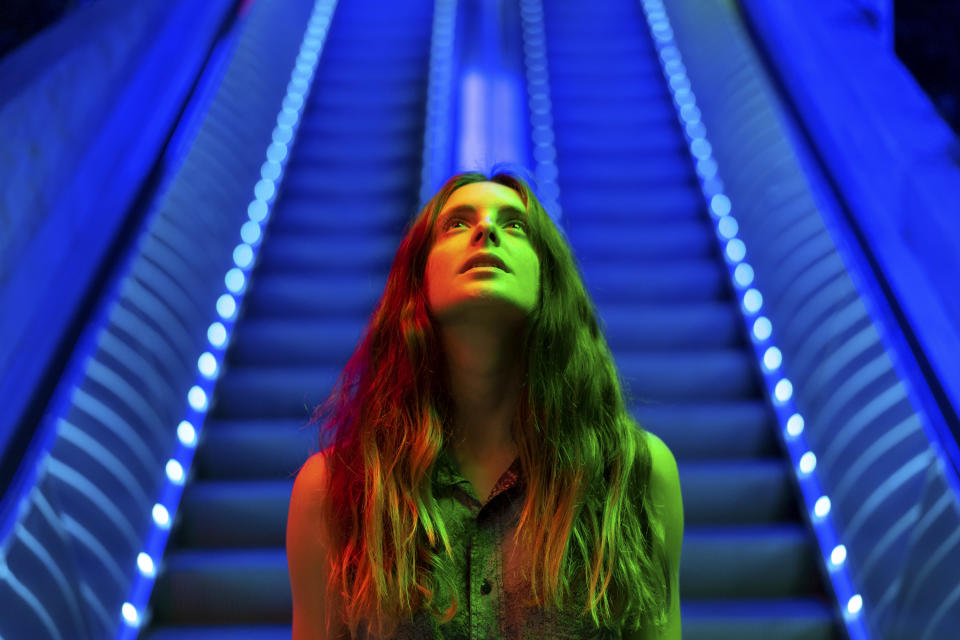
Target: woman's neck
[{"x": 485, "y": 380}]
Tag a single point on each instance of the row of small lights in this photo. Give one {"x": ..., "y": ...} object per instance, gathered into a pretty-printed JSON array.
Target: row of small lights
[
  {"x": 541, "y": 116},
  {"x": 437, "y": 130},
  {"x": 761, "y": 329},
  {"x": 220, "y": 331}
]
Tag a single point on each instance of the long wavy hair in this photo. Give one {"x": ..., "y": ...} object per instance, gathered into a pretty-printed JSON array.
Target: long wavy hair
[{"x": 585, "y": 462}]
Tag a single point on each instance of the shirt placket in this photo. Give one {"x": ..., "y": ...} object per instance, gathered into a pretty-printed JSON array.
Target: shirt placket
[{"x": 483, "y": 586}]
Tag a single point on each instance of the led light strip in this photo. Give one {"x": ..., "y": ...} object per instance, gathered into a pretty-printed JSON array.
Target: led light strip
[
  {"x": 541, "y": 116},
  {"x": 760, "y": 327},
  {"x": 436, "y": 133},
  {"x": 220, "y": 331}
]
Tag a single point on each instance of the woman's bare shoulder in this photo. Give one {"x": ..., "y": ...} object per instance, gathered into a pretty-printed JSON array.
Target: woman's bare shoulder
[
  {"x": 308, "y": 546},
  {"x": 664, "y": 473},
  {"x": 315, "y": 467},
  {"x": 667, "y": 500}
]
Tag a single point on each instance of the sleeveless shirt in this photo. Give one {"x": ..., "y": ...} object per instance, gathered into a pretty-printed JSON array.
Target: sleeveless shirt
[{"x": 490, "y": 576}]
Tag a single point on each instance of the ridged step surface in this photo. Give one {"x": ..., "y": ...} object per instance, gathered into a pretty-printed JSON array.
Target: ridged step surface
[
  {"x": 635, "y": 215},
  {"x": 351, "y": 183}
]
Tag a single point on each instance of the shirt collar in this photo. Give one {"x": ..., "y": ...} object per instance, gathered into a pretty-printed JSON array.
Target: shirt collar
[{"x": 447, "y": 473}]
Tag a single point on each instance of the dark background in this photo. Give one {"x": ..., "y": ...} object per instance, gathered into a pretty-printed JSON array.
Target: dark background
[{"x": 927, "y": 41}]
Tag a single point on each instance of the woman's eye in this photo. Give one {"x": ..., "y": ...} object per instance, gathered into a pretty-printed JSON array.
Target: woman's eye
[{"x": 523, "y": 225}]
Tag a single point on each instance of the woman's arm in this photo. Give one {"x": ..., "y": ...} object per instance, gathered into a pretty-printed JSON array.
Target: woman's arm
[
  {"x": 307, "y": 549},
  {"x": 665, "y": 491}
]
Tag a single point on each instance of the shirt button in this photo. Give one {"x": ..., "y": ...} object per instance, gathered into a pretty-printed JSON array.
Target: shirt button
[{"x": 485, "y": 587}]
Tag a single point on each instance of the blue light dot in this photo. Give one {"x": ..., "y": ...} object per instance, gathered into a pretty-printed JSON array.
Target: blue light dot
[
  {"x": 130, "y": 615},
  {"x": 197, "y": 398},
  {"x": 546, "y": 172},
  {"x": 669, "y": 53},
  {"x": 690, "y": 113},
  {"x": 235, "y": 280},
  {"x": 276, "y": 152},
  {"x": 161, "y": 517},
  {"x": 683, "y": 98},
  {"x": 720, "y": 205},
  {"x": 270, "y": 171},
  {"x": 243, "y": 256},
  {"x": 145, "y": 565},
  {"x": 679, "y": 82},
  {"x": 706, "y": 167},
  {"x": 540, "y": 104},
  {"x": 174, "y": 471},
  {"x": 281, "y": 135},
  {"x": 226, "y": 306},
  {"x": 257, "y": 210},
  {"x": 217, "y": 334},
  {"x": 822, "y": 507},
  {"x": 700, "y": 148},
  {"x": 808, "y": 462},
  {"x": 292, "y": 101},
  {"x": 299, "y": 73},
  {"x": 743, "y": 274},
  {"x": 264, "y": 189},
  {"x": 728, "y": 227},
  {"x": 854, "y": 604},
  {"x": 542, "y": 136},
  {"x": 550, "y": 191},
  {"x": 712, "y": 186},
  {"x": 286, "y": 119},
  {"x": 736, "y": 250},
  {"x": 207, "y": 364},
  {"x": 663, "y": 36},
  {"x": 762, "y": 328},
  {"x": 783, "y": 391},
  {"x": 795, "y": 425},
  {"x": 297, "y": 84},
  {"x": 838, "y": 556},
  {"x": 752, "y": 300},
  {"x": 543, "y": 153},
  {"x": 187, "y": 434},
  {"x": 772, "y": 358},
  {"x": 674, "y": 66},
  {"x": 697, "y": 130},
  {"x": 250, "y": 232},
  {"x": 658, "y": 22}
]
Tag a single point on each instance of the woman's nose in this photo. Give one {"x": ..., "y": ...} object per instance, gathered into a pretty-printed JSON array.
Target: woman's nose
[{"x": 484, "y": 227}]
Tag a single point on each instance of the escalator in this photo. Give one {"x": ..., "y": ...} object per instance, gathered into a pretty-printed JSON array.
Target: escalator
[
  {"x": 638, "y": 227},
  {"x": 637, "y": 221},
  {"x": 350, "y": 185}
]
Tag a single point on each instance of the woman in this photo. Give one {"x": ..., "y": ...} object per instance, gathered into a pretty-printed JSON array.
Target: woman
[{"x": 484, "y": 478}]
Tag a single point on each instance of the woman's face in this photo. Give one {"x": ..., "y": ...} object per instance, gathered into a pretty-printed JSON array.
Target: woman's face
[{"x": 482, "y": 218}]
